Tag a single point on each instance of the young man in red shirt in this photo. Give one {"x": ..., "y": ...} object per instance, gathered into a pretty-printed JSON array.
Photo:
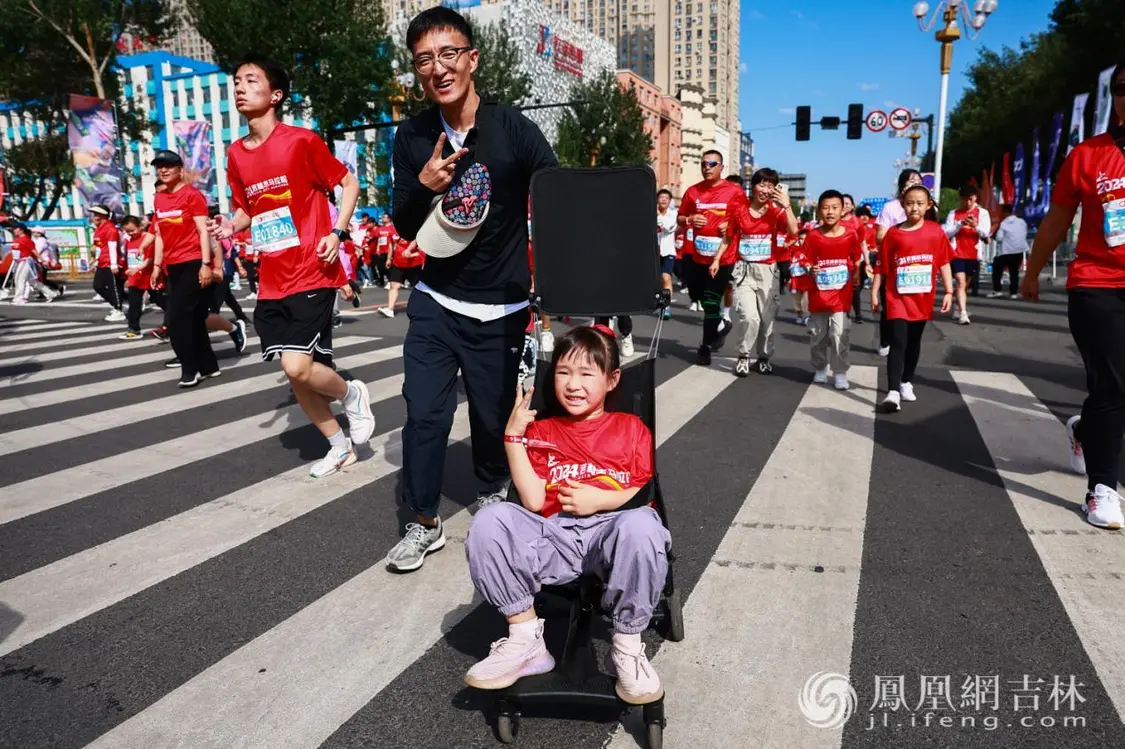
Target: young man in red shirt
[
  {"x": 968, "y": 228},
  {"x": 704, "y": 211},
  {"x": 756, "y": 275},
  {"x": 280, "y": 177},
  {"x": 107, "y": 245}
]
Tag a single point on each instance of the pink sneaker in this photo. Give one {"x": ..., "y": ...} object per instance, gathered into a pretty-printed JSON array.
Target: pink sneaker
[
  {"x": 637, "y": 681},
  {"x": 511, "y": 660}
]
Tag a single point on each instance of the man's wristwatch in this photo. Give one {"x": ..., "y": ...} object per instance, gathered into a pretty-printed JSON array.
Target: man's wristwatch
[{"x": 339, "y": 234}]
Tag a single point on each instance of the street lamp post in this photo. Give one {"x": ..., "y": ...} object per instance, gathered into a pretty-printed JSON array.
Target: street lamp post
[
  {"x": 404, "y": 83},
  {"x": 950, "y": 11}
]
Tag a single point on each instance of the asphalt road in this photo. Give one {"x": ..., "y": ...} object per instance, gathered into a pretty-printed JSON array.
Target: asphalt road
[{"x": 170, "y": 577}]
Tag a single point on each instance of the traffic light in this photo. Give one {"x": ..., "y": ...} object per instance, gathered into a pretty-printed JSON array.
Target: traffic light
[
  {"x": 804, "y": 122},
  {"x": 855, "y": 121}
]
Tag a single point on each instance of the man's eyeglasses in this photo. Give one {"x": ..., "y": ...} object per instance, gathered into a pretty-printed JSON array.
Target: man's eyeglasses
[
  {"x": 709, "y": 164},
  {"x": 424, "y": 64},
  {"x": 1118, "y": 89}
]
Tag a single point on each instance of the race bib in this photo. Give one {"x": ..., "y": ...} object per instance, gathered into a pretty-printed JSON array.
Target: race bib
[
  {"x": 796, "y": 270},
  {"x": 274, "y": 231},
  {"x": 833, "y": 278},
  {"x": 707, "y": 246},
  {"x": 135, "y": 259},
  {"x": 914, "y": 279},
  {"x": 690, "y": 235},
  {"x": 1115, "y": 223},
  {"x": 755, "y": 248}
]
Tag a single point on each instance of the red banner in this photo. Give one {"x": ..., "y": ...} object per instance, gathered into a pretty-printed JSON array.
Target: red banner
[{"x": 1007, "y": 189}]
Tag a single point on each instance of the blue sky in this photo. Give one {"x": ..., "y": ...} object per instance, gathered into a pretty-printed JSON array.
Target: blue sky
[{"x": 828, "y": 54}]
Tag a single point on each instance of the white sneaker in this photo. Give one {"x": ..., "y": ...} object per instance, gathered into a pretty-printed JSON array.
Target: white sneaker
[
  {"x": 1077, "y": 458},
  {"x": 907, "y": 392},
  {"x": 627, "y": 346},
  {"x": 1103, "y": 508},
  {"x": 892, "y": 403},
  {"x": 357, "y": 407},
  {"x": 821, "y": 377},
  {"x": 115, "y": 316},
  {"x": 840, "y": 382},
  {"x": 1014, "y": 296},
  {"x": 547, "y": 342},
  {"x": 964, "y": 319},
  {"x": 996, "y": 295},
  {"x": 386, "y": 312},
  {"x": 637, "y": 681},
  {"x": 510, "y": 660},
  {"x": 884, "y": 351},
  {"x": 694, "y": 307},
  {"x": 337, "y": 459}
]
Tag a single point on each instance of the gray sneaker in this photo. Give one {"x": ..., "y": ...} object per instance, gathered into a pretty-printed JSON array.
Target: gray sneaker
[
  {"x": 409, "y": 553},
  {"x": 500, "y": 495}
]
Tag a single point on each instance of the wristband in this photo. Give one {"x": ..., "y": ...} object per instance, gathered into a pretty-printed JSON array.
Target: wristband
[{"x": 516, "y": 439}]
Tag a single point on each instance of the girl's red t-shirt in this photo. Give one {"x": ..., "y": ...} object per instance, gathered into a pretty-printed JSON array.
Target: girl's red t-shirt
[
  {"x": 613, "y": 451},
  {"x": 910, "y": 263}
]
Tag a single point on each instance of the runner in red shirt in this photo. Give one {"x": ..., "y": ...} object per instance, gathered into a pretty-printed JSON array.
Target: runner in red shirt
[
  {"x": 968, "y": 228},
  {"x": 801, "y": 280},
  {"x": 107, "y": 249},
  {"x": 912, "y": 257},
  {"x": 704, "y": 214},
  {"x": 754, "y": 242},
  {"x": 183, "y": 251},
  {"x": 833, "y": 253},
  {"x": 380, "y": 241},
  {"x": 404, "y": 266},
  {"x": 280, "y": 177},
  {"x": 1093, "y": 176},
  {"x": 140, "y": 252}
]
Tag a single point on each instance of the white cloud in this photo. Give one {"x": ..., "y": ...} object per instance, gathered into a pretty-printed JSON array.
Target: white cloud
[
  {"x": 868, "y": 86},
  {"x": 755, "y": 15},
  {"x": 743, "y": 67},
  {"x": 802, "y": 19},
  {"x": 787, "y": 110},
  {"x": 889, "y": 104}
]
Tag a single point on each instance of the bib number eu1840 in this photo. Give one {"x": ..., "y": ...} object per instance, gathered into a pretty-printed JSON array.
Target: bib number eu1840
[
  {"x": 755, "y": 248},
  {"x": 833, "y": 278},
  {"x": 1115, "y": 223},
  {"x": 915, "y": 279},
  {"x": 707, "y": 246},
  {"x": 274, "y": 231}
]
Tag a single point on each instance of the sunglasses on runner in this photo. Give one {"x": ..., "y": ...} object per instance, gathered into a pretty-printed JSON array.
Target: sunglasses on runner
[
  {"x": 709, "y": 164},
  {"x": 1118, "y": 88}
]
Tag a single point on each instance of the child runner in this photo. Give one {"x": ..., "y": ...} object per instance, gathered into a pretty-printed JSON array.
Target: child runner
[
  {"x": 801, "y": 281},
  {"x": 910, "y": 254},
  {"x": 404, "y": 265},
  {"x": 576, "y": 476},
  {"x": 833, "y": 253},
  {"x": 140, "y": 250}
]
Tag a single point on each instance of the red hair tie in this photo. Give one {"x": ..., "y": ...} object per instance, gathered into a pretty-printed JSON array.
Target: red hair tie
[{"x": 604, "y": 329}]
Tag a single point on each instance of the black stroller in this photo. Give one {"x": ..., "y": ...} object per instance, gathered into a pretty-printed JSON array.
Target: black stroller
[{"x": 613, "y": 271}]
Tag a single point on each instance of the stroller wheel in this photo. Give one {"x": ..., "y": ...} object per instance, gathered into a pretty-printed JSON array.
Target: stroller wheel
[
  {"x": 675, "y": 617},
  {"x": 655, "y": 733},
  {"x": 653, "y": 716},
  {"x": 507, "y": 727}
]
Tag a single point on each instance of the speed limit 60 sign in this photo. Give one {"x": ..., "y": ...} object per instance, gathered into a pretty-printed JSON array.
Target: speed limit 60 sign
[
  {"x": 901, "y": 119},
  {"x": 876, "y": 121}
]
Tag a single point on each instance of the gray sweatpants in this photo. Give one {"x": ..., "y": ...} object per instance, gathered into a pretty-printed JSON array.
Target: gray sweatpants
[
  {"x": 513, "y": 552},
  {"x": 755, "y": 304},
  {"x": 830, "y": 339}
]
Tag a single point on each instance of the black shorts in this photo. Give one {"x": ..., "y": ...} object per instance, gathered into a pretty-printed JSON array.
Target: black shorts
[
  {"x": 398, "y": 275},
  {"x": 216, "y": 296},
  {"x": 299, "y": 322},
  {"x": 666, "y": 264},
  {"x": 968, "y": 267}
]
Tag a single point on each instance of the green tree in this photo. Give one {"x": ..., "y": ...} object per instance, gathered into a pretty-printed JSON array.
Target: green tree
[
  {"x": 63, "y": 47},
  {"x": 1013, "y": 91},
  {"x": 607, "y": 128},
  {"x": 337, "y": 52}
]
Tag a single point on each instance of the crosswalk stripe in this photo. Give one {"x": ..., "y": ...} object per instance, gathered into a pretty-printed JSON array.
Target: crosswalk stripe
[
  {"x": 16, "y": 321},
  {"x": 60, "y": 593},
  {"x": 797, "y": 516},
  {"x": 82, "y": 426},
  {"x": 53, "y": 356},
  {"x": 117, "y": 384},
  {"x": 1029, "y": 447},
  {"x": 219, "y": 342},
  {"x": 15, "y": 503},
  {"x": 357, "y": 639},
  {"x": 30, "y": 328},
  {"x": 30, "y": 342}
]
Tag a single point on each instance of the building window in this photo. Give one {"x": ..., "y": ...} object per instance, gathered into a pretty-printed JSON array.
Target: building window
[
  {"x": 689, "y": 48},
  {"x": 679, "y": 49},
  {"x": 714, "y": 60},
  {"x": 678, "y": 32},
  {"x": 699, "y": 34}
]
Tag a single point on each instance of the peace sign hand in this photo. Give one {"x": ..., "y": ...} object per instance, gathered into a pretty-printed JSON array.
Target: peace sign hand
[
  {"x": 522, "y": 414},
  {"x": 437, "y": 174}
]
